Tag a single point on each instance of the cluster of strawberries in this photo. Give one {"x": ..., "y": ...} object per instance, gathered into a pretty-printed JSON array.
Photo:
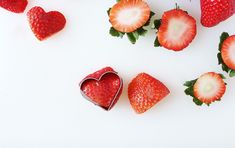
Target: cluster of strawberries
[
  {"x": 42, "y": 24},
  {"x": 104, "y": 87},
  {"x": 175, "y": 31}
]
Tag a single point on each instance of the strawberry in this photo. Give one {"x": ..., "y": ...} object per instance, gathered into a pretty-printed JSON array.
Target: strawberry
[
  {"x": 16, "y": 6},
  {"x": 215, "y": 11},
  {"x": 145, "y": 91},
  {"x": 129, "y": 15},
  {"x": 208, "y": 88},
  {"x": 226, "y": 56},
  {"x": 176, "y": 30},
  {"x": 103, "y": 88},
  {"x": 45, "y": 24}
]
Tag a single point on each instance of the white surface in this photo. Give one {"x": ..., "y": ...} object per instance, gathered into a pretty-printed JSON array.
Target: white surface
[{"x": 41, "y": 106}]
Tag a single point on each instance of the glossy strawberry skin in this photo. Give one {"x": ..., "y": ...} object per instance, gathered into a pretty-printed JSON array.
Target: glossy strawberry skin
[
  {"x": 102, "y": 88},
  {"x": 45, "y": 24},
  {"x": 145, "y": 91},
  {"x": 215, "y": 11},
  {"x": 16, "y": 6}
]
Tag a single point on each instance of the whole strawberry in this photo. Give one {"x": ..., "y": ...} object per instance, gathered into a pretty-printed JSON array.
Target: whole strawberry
[
  {"x": 45, "y": 24},
  {"x": 103, "y": 88},
  {"x": 145, "y": 91},
  {"x": 16, "y": 6},
  {"x": 215, "y": 11}
]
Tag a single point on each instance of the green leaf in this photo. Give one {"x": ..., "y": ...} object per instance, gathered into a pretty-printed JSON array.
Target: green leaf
[
  {"x": 156, "y": 43},
  {"x": 131, "y": 37},
  {"x": 157, "y": 24},
  {"x": 108, "y": 11},
  {"x": 141, "y": 31},
  {"x": 189, "y": 91},
  {"x": 225, "y": 68},
  {"x": 232, "y": 73},
  {"x": 116, "y": 33},
  {"x": 197, "y": 101},
  {"x": 118, "y": 1},
  {"x": 152, "y": 13},
  {"x": 190, "y": 83},
  {"x": 136, "y": 35},
  {"x": 223, "y": 37},
  {"x": 220, "y": 60}
]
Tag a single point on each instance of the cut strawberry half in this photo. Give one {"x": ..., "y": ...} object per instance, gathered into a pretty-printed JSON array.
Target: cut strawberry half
[
  {"x": 145, "y": 91},
  {"x": 208, "y": 88},
  {"x": 176, "y": 31},
  {"x": 129, "y": 15},
  {"x": 226, "y": 56},
  {"x": 228, "y": 52}
]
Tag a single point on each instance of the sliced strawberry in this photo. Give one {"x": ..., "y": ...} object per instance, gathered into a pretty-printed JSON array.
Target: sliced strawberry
[
  {"x": 228, "y": 52},
  {"x": 145, "y": 91},
  {"x": 207, "y": 88},
  {"x": 103, "y": 88},
  {"x": 45, "y": 24},
  {"x": 129, "y": 15},
  {"x": 215, "y": 11},
  {"x": 226, "y": 55},
  {"x": 177, "y": 30},
  {"x": 16, "y": 6}
]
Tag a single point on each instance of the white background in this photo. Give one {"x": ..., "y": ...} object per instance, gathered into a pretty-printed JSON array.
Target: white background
[{"x": 41, "y": 105}]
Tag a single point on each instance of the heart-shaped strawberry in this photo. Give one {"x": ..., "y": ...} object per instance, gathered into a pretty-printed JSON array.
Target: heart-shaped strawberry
[
  {"x": 16, "y": 6},
  {"x": 103, "y": 88},
  {"x": 45, "y": 24},
  {"x": 215, "y": 11}
]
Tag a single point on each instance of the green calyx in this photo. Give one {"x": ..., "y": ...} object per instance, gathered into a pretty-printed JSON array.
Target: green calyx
[
  {"x": 189, "y": 91},
  {"x": 132, "y": 36},
  {"x": 156, "y": 25},
  {"x": 225, "y": 68}
]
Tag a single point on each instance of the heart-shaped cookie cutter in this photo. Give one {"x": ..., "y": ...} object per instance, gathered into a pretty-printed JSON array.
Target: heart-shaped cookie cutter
[{"x": 114, "y": 99}]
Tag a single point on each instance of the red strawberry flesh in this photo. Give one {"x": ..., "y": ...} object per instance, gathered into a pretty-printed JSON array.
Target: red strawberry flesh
[
  {"x": 129, "y": 15},
  {"x": 228, "y": 52},
  {"x": 209, "y": 87},
  {"x": 177, "y": 30}
]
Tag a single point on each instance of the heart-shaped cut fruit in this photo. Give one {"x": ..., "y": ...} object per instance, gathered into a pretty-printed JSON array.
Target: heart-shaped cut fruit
[
  {"x": 44, "y": 24},
  {"x": 103, "y": 88},
  {"x": 16, "y": 6}
]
